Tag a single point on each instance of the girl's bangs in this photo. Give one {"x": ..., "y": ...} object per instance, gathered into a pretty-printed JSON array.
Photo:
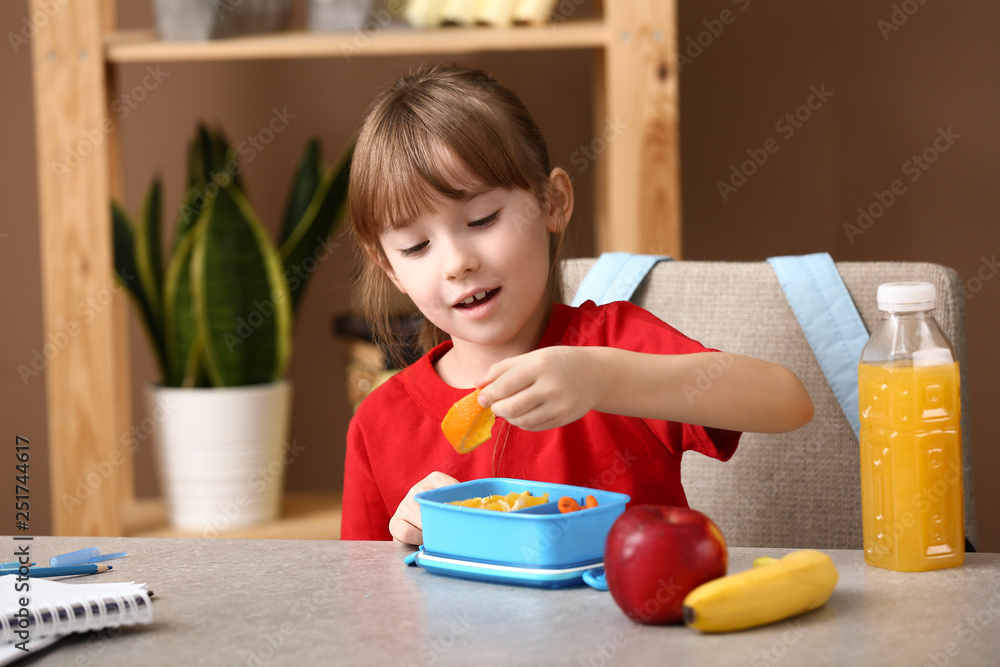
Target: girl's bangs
[
  {"x": 415, "y": 177},
  {"x": 419, "y": 169}
]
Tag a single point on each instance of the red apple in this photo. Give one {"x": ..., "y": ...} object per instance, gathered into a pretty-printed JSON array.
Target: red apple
[{"x": 655, "y": 555}]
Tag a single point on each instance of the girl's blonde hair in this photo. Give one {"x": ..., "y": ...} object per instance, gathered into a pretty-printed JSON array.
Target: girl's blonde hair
[{"x": 397, "y": 171}]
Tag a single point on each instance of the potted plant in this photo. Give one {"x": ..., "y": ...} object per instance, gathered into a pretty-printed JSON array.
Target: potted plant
[{"x": 219, "y": 312}]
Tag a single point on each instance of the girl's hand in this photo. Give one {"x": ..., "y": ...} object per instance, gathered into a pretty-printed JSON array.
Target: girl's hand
[
  {"x": 542, "y": 389},
  {"x": 405, "y": 523}
]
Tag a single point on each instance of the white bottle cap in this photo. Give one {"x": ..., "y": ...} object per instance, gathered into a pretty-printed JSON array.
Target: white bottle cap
[{"x": 906, "y": 297}]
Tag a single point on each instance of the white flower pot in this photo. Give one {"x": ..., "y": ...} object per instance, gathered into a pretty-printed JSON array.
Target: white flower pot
[{"x": 221, "y": 453}]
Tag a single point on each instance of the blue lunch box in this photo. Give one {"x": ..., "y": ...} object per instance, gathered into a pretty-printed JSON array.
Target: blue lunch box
[{"x": 533, "y": 538}]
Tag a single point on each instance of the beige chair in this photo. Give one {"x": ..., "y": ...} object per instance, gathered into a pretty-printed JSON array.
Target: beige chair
[{"x": 798, "y": 489}]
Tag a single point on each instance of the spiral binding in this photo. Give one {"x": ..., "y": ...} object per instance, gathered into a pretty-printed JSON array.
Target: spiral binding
[{"x": 81, "y": 615}]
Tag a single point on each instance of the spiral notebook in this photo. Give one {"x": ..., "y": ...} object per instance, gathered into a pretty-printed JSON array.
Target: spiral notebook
[{"x": 59, "y": 608}]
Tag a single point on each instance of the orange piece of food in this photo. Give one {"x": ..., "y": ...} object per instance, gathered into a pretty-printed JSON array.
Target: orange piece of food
[
  {"x": 590, "y": 501},
  {"x": 567, "y": 504},
  {"x": 467, "y": 424},
  {"x": 512, "y": 502}
]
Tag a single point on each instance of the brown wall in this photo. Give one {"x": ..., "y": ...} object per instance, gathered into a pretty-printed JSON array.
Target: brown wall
[{"x": 889, "y": 97}]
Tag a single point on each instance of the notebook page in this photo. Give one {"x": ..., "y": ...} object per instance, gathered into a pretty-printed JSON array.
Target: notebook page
[{"x": 93, "y": 606}]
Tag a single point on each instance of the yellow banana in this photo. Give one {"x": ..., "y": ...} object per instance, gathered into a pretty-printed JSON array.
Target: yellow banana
[{"x": 770, "y": 591}]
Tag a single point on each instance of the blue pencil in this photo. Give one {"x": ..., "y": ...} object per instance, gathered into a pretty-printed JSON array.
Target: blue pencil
[
  {"x": 66, "y": 570},
  {"x": 13, "y": 565},
  {"x": 88, "y": 555}
]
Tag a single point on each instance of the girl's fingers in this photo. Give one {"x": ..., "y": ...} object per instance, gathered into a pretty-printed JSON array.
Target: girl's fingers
[
  {"x": 544, "y": 414},
  {"x": 517, "y": 407},
  {"x": 435, "y": 480},
  {"x": 405, "y": 524},
  {"x": 495, "y": 371},
  {"x": 406, "y": 532},
  {"x": 505, "y": 385}
]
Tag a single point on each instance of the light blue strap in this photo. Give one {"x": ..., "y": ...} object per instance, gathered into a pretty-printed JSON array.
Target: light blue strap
[
  {"x": 829, "y": 320},
  {"x": 614, "y": 277}
]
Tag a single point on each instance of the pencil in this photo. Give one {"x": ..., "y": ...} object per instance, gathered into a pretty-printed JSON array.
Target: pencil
[
  {"x": 13, "y": 566},
  {"x": 67, "y": 570}
]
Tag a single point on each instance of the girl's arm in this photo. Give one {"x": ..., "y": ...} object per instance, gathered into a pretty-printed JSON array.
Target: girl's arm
[{"x": 554, "y": 386}]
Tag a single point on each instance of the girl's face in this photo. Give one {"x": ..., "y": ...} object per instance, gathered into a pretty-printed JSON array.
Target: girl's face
[{"x": 477, "y": 267}]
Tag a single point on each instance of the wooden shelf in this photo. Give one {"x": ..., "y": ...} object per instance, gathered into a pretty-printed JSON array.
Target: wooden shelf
[
  {"x": 76, "y": 56},
  {"x": 143, "y": 45},
  {"x": 304, "y": 516}
]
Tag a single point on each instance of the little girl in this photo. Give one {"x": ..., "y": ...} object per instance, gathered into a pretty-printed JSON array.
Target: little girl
[{"x": 453, "y": 202}]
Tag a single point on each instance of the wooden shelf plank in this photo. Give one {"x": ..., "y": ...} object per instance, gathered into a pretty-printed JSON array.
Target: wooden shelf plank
[
  {"x": 85, "y": 419},
  {"x": 143, "y": 46},
  {"x": 304, "y": 516}
]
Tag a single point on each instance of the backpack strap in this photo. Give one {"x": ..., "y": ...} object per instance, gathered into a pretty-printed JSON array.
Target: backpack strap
[
  {"x": 814, "y": 289},
  {"x": 614, "y": 277},
  {"x": 829, "y": 320}
]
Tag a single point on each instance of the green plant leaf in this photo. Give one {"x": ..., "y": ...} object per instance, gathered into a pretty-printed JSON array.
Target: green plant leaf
[
  {"x": 199, "y": 162},
  {"x": 127, "y": 273},
  {"x": 209, "y": 156},
  {"x": 148, "y": 252},
  {"x": 183, "y": 348},
  {"x": 187, "y": 216},
  {"x": 307, "y": 179},
  {"x": 224, "y": 163},
  {"x": 306, "y": 244},
  {"x": 212, "y": 165},
  {"x": 241, "y": 302}
]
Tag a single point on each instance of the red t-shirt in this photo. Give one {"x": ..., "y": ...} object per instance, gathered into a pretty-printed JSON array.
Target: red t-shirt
[{"x": 395, "y": 438}]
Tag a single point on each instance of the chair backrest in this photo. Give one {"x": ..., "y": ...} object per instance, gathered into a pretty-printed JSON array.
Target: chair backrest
[{"x": 800, "y": 489}]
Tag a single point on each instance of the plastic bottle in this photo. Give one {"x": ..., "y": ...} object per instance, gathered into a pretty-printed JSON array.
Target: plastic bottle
[{"x": 911, "y": 437}]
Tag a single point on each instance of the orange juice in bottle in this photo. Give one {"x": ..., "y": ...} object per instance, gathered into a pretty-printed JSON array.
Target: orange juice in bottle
[{"x": 911, "y": 437}]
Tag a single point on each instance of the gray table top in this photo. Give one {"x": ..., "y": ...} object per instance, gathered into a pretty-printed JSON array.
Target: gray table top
[{"x": 285, "y": 602}]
